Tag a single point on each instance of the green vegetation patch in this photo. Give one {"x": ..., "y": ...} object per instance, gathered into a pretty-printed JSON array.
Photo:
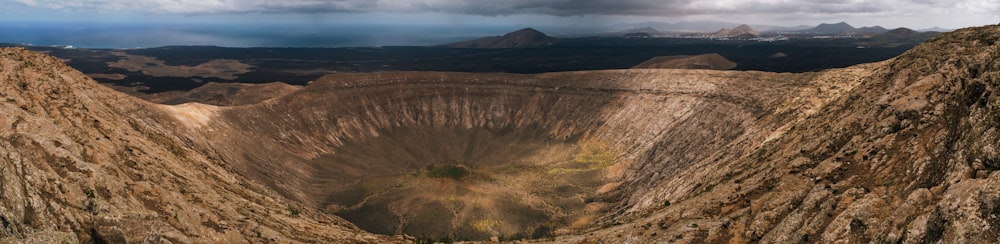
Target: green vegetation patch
[
  {"x": 454, "y": 172},
  {"x": 592, "y": 156}
]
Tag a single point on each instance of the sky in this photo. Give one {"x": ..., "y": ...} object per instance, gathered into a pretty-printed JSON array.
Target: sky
[{"x": 467, "y": 16}]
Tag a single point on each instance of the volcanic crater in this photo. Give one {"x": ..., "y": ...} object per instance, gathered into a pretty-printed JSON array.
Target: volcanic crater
[
  {"x": 898, "y": 151},
  {"x": 539, "y": 155}
]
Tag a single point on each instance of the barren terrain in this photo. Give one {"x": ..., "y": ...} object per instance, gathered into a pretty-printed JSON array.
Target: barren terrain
[
  {"x": 902, "y": 150},
  {"x": 225, "y": 69}
]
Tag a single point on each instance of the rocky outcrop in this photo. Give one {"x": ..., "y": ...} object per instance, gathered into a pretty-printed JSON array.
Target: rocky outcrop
[{"x": 84, "y": 163}]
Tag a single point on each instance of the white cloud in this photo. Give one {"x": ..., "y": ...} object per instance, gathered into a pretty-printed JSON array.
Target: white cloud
[{"x": 27, "y": 2}]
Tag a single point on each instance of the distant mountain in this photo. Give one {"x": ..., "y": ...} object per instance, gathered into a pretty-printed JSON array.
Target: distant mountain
[
  {"x": 873, "y": 30},
  {"x": 685, "y": 26},
  {"x": 742, "y": 31},
  {"x": 844, "y": 28},
  {"x": 642, "y": 32},
  {"x": 838, "y": 28},
  {"x": 935, "y": 29},
  {"x": 638, "y": 35},
  {"x": 900, "y": 36},
  {"x": 523, "y": 38},
  {"x": 647, "y": 30},
  {"x": 710, "y": 26}
]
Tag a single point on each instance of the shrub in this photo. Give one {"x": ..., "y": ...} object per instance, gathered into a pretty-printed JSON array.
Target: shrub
[{"x": 447, "y": 171}]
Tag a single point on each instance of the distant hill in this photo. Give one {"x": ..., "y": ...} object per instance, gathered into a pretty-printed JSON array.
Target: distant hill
[
  {"x": 935, "y": 29},
  {"x": 523, "y": 38},
  {"x": 647, "y": 29},
  {"x": 838, "y": 28},
  {"x": 643, "y": 32},
  {"x": 844, "y": 28},
  {"x": 873, "y": 30},
  {"x": 712, "y": 61},
  {"x": 638, "y": 35},
  {"x": 710, "y": 26},
  {"x": 699, "y": 26},
  {"x": 686, "y": 26},
  {"x": 742, "y": 31},
  {"x": 900, "y": 36},
  {"x": 905, "y": 33}
]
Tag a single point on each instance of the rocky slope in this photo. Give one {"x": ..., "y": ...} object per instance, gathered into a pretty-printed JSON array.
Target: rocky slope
[
  {"x": 907, "y": 156},
  {"x": 897, "y": 151},
  {"x": 84, "y": 163},
  {"x": 219, "y": 94}
]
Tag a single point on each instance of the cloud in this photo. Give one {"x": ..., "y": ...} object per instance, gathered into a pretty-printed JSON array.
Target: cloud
[
  {"x": 27, "y": 2},
  {"x": 659, "y": 8}
]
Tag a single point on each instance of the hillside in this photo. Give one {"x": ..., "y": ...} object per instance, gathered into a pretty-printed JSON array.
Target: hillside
[
  {"x": 218, "y": 94},
  {"x": 524, "y": 38},
  {"x": 85, "y": 163},
  {"x": 906, "y": 155},
  {"x": 900, "y": 36},
  {"x": 873, "y": 30},
  {"x": 742, "y": 31},
  {"x": 902, "y": 150}
]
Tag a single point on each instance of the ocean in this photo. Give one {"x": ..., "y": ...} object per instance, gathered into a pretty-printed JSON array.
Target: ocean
[{"x": 120, "y": 36}]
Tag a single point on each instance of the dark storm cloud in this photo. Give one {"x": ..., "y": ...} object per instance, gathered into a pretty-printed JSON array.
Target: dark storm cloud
[{"x": 544, "y": 7}]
